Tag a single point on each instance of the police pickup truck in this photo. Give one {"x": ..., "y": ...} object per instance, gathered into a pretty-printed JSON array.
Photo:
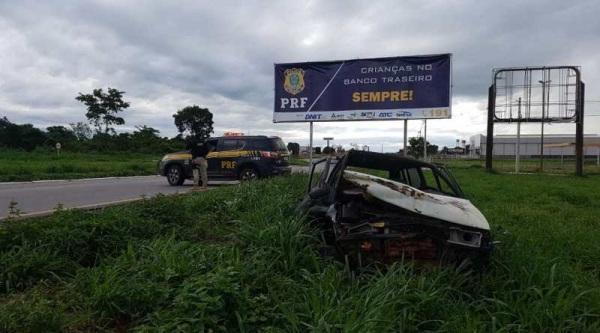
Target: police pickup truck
[{"x": 235, "y": 157}]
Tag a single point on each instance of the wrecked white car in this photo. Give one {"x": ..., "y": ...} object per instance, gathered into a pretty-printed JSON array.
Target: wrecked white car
[{"x": 384, "y": 208}]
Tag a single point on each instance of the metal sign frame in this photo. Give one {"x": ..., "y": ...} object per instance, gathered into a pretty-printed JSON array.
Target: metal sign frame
[{"x": 525, "y": 100}]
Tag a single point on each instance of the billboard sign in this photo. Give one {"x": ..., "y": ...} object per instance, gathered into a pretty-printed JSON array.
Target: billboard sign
[{"x": 415, "y": 87}]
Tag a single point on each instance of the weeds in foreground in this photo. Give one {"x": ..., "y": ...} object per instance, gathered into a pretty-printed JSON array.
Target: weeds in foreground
[{"x": 237, "y": 259}]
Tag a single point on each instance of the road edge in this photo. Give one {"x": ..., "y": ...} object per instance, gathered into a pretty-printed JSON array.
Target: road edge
[{"x": 91, "y": 207}]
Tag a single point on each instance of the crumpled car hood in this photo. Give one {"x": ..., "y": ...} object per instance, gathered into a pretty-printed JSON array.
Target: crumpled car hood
[{"x": 446, "y": 208}]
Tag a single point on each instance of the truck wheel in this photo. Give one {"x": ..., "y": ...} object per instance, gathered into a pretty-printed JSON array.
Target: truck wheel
[
  {"x": 175, "y": 175},
  {"x": 248, "y": 174}
]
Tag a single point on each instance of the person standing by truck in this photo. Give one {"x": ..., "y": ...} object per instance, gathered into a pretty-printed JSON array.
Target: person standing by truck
[{"x": 199, "y": 152}]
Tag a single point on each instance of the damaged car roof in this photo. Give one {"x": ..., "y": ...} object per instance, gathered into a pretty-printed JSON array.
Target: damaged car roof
[
  {"x": 446, "y": 208},
  {"x": 372, "y": 160}
]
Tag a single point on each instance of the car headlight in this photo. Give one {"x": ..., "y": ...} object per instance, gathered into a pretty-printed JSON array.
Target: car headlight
[{"x": 465, "y": 237}]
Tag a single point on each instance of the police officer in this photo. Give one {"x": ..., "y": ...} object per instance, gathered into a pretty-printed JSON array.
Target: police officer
[{"x": 200, "y": 170}]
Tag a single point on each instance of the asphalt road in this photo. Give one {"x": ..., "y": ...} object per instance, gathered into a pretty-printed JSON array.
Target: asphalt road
[{"x": 43, "y": 196}]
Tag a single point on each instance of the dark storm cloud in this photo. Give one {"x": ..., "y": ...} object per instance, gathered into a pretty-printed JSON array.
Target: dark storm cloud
[{"x": 166, "y": 55}]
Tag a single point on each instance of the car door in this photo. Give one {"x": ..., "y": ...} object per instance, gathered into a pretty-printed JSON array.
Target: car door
[
  {"x": 212, "y": 158},
  {"x": 226, "y": 158}
]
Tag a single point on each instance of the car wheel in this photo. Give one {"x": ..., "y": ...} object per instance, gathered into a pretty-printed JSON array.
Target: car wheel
[
  {"x": 248, "y": 174},
  {"x": 175, "y": 175}
]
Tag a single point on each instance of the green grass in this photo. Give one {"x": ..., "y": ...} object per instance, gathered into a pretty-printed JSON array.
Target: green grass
[
  {"x": 238, "y": 259},
  {"x": 527, "y": 165},
  {"x": 26, "y": 166},
  {"x": 295, "y": 160}
]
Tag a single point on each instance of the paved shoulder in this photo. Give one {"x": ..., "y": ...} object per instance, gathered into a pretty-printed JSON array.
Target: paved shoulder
[
  {"x": 31, "y": 197},
  {"x": 42, "y": 196}
]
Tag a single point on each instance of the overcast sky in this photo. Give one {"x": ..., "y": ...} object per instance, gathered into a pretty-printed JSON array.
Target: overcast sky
[{"x": 220, "y": 55}]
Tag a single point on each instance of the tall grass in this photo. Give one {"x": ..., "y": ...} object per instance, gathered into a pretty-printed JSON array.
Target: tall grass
[
  {"x": 238, "y": 259},
  {"x": 26, "y": 166}
]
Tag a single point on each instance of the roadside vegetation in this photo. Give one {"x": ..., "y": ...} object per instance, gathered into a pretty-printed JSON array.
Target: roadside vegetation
[
  {"x": 554, "y": 165},
  {"x": 297, "y": 160},
  {"x": 239, "y": 259},
  {"x": 45, "y": 164}
]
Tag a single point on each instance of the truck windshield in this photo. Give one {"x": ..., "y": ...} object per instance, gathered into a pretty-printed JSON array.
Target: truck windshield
[{"x": 277, "y": 144}]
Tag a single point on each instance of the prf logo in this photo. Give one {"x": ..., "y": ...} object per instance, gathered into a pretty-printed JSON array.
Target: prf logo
[{"x": 293, "y": 81}]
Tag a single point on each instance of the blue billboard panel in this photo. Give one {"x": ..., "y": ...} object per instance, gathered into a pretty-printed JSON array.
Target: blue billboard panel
[{"x": 416, "y": 87}]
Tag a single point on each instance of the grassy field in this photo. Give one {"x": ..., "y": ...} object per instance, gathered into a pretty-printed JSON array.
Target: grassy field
[
  {"x": 25, "y": 166},
  {"x": 529, "y": 165},
  {"x": 238, "y": 259},
  {"x": 296, "y": 160}
]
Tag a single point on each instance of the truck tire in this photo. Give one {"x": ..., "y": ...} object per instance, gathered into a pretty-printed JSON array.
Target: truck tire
[{"x": 175, "y": 175}]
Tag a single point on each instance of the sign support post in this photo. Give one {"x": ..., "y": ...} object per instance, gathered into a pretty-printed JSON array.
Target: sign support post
[
  {"x": 579, "y": 156},
  {"x": 544, "y": 106},
  {"x": 310, "y": 145},
  {"x": 425, "y": 141},
  {"x": 518, "y": 148},
  {"x": 405, "y": 137}
]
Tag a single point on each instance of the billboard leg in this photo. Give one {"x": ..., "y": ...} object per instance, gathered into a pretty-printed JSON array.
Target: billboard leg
[
  {"x": 489, "y": 146},
  {"x": 310, "y": 145},
  {"x": 542, "y": 149},
  {"x": 405, "y": 137},
  {"x": 579, "y": 131},
  {"x": 544, "y": 107},
  {"x": 425, "y": 141},
  {"x": 518, "y": 147}
]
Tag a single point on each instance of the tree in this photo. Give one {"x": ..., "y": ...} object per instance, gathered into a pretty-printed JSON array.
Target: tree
[
  {"x": 4, "y": 122},
  {"x": 60, "y": 134},
  {"x": 415, "y": 147},
  {"x": 102, "y": 108},
  {"x": 146, "y": 138},
  {"x": 328, "y": 150},
  {"x": 194, "y": 122},
  {"x": 81, "y": 130},
  {"x": 146, "y": 132},
  {"x": 23, "y": 136},
  {"x": 294, "y": 147}
]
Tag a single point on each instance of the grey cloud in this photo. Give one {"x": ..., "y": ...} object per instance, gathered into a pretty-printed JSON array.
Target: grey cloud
[{"x": 167, "y": 55}]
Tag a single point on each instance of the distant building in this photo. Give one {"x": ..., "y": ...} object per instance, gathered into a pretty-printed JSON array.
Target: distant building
[{"x": 554, "y": 145}]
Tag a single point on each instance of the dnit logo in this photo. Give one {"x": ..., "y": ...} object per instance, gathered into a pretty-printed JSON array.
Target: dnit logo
[{"x": 293, "y": 81}]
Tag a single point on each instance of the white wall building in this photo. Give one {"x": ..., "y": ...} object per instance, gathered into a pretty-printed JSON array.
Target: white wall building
[{"x": 554, "y": 145}]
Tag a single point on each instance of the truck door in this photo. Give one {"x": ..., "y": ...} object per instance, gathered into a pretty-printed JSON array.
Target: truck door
[
  {"x": 212, "y": 158},
  {"x": 227, "y": 156}
]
